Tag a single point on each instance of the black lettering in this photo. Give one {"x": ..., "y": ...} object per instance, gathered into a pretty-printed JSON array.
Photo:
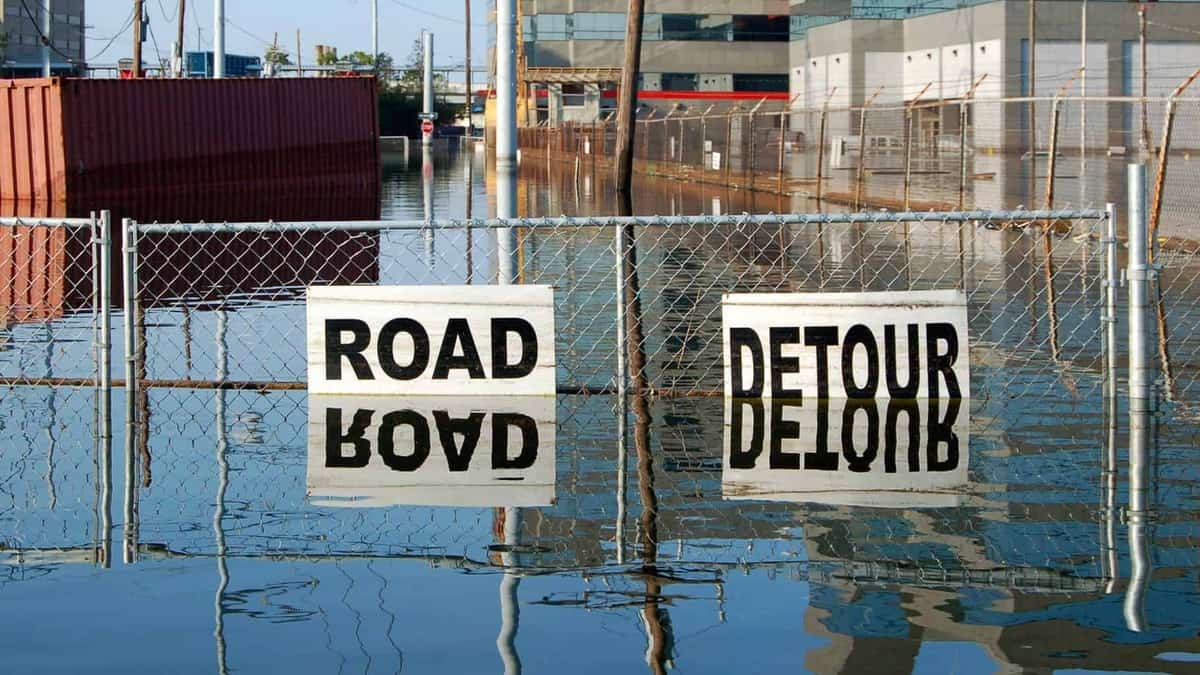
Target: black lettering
[
  {"x": 458, "y": 457},
  {"x": 942, "y": 362},
  {"x": 781, "y": 430},
  {"x": 914, "y": 364},
  {"x": 501, "y": 368},
  {"x": 387, "y": 349},
  {"x": 822, "y": 459},
  {"x": 458, "y": 331},
  {"x": 941, "y": 432},
  {"x": 739, "y": 339},
  {"x": 335, "y": 349},
  {"x": 387, "y": 440},
  {"x": 860, "y": 335},
  {"x": 912, "y": 409},
  {"x": 784, "y": 365},
  {"x": 860, "y": 463},
  {"x": 822, "y": 337},
  {"x": 739, "y": 458},
  {"x": 355, "y": 436},
  {"x": 529, "y": 441}
]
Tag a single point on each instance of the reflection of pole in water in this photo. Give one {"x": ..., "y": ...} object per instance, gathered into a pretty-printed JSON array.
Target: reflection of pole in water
[
  {"x": 1140, "y": 517},
  {"x": 470, "y": 180},
  {"x": 510, "y": 583},
  {"x": 427, "y": 197},
  {"x": 222, "y": 484},
  {"x": 52, "y": 410},
  {"x": 1109, "y": 560}
]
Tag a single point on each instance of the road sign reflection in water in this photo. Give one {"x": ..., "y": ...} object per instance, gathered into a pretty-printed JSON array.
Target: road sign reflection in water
[
  {"x": 878, "y": 453},
  {"x": 436, "y": 451}
]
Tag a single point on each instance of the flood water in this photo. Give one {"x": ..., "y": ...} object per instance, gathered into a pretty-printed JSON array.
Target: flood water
[{"x": 237, "y": 532}]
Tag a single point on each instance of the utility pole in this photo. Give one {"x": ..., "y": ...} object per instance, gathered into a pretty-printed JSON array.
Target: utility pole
[
  {"x": 626, "y": 117},
  {"x": 470, "y": 95},
  {"x": 47, "y": 28},
  {"x": 1145, "y": 140},
  {"x": 1032, "y": 78},
  {"x": 506, "y": 98},
  {"x": 218, "y": 39},
  {"x": 375, "y": 36},
  {"x": 179, "y": 69},
  {"x": 1083, "y": 84},
  {"x": 299, "y": 56},
  {"x": 427, "y": 103},
  {"x": 139, "y": 15}
]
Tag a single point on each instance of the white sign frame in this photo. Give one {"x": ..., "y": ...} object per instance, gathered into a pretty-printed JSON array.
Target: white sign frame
[
  {"x": 790, "y": 359},
  {"x": 459, "y": 318}
]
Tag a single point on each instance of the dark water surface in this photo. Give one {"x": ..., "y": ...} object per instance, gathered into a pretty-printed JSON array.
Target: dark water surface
[{"x": 226, "y": 542}]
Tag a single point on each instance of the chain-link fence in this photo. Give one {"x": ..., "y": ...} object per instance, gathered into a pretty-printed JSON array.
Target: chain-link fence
[
  {"x": 52, "y": 351},
  {"x": 1033, "y": 282},
  {"x": 928, "y": 154}
]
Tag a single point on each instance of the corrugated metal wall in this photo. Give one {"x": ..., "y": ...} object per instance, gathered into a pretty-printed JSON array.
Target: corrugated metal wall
[
  {"x": 32, "y": 163},
  {"x": 256, "y": 149}
]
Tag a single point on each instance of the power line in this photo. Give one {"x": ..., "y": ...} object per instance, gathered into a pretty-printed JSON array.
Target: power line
[
  {"x": 424, "y": 11},
  {"x": 45, "y": 39},
  {"x": 113, "y": 40}
]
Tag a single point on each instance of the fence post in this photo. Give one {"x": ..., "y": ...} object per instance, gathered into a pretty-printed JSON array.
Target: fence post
[
  {"x": 728, "y": 159},
  {"x": 783, "y": 125},
  {"x": 908, "y": 141},
  {"x": 1139, "y": 274},
  {"x": 1112, "y": 282},
  {"x": 1161, "y": 177},
  {"x": 1141, "y": 403},
  {"x": 104, "y": 294},
  {"x": 821, "y": 150},
  {"x": 862, "y": 151}
]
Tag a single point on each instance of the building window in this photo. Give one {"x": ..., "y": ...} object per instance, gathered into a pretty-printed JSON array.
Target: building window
[
  {"x": 574, "y": 95},
  {"x": 598, "y": 26},
  {"x": 761, "y": 28},
  {"x": 679, "y": 81},
  {"x": 714, "y": 27},
  {"x": 550, "y": 27},
  {"x": 746, "y": 82}
]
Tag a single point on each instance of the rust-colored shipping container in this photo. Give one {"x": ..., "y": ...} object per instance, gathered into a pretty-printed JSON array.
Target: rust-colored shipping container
[
  {"x": 95, "y": 144},
  {"x": 44, "y": 273}
]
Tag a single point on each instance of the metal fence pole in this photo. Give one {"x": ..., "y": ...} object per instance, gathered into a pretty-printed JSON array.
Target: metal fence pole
[
  {"x": 1139, "y": 274},
  {"x": 129, "y": 240},
  {"x": 1111, "y": 284},
  {"x": 783, "y": 125},
  {"x": 104, "y": 345}
]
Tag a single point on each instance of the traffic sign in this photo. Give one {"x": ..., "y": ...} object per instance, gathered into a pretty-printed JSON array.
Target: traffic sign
[{"x": 427, "y": 127}]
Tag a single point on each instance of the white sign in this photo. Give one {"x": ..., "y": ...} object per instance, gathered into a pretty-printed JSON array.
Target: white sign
[
  {"x": 716, "y": 161},
  {"x": 431, "y": 340},
  {"x": 436, "y": 451},
  {"x": 906, "y": 345},
  {"x": 880, "y": 453}
]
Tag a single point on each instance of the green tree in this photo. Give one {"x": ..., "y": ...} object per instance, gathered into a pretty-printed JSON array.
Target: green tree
[{"x": 277, "y": 57}]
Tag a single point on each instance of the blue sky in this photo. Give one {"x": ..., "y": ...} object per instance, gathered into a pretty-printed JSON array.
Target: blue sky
[{"x": 345, "y": 24}]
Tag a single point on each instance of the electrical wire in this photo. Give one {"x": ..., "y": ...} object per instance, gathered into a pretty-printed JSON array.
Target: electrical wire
[
  {"x": 424, "y": 11},
  {"x": 44, "y": 38},
  {"x": 113, "y": 40}
]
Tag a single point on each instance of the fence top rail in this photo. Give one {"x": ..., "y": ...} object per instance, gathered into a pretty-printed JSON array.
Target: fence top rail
[
  {"x": 47, "y": 222},
  {"x": 609, "y": 221}
]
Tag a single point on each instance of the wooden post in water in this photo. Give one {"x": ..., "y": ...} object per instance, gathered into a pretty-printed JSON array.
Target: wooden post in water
[
  {"x": 783, "y": 123},
  {"x": 962, "y": 142},
  {"x": 1160, "y": 178},
  {"x": 821, "y": 147},
  {"x": 908, "y": 141},
  {"x": 862, "y": 150},
  {"x": 627, "y": 103},
  {"x": 728, "y": 158}
]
